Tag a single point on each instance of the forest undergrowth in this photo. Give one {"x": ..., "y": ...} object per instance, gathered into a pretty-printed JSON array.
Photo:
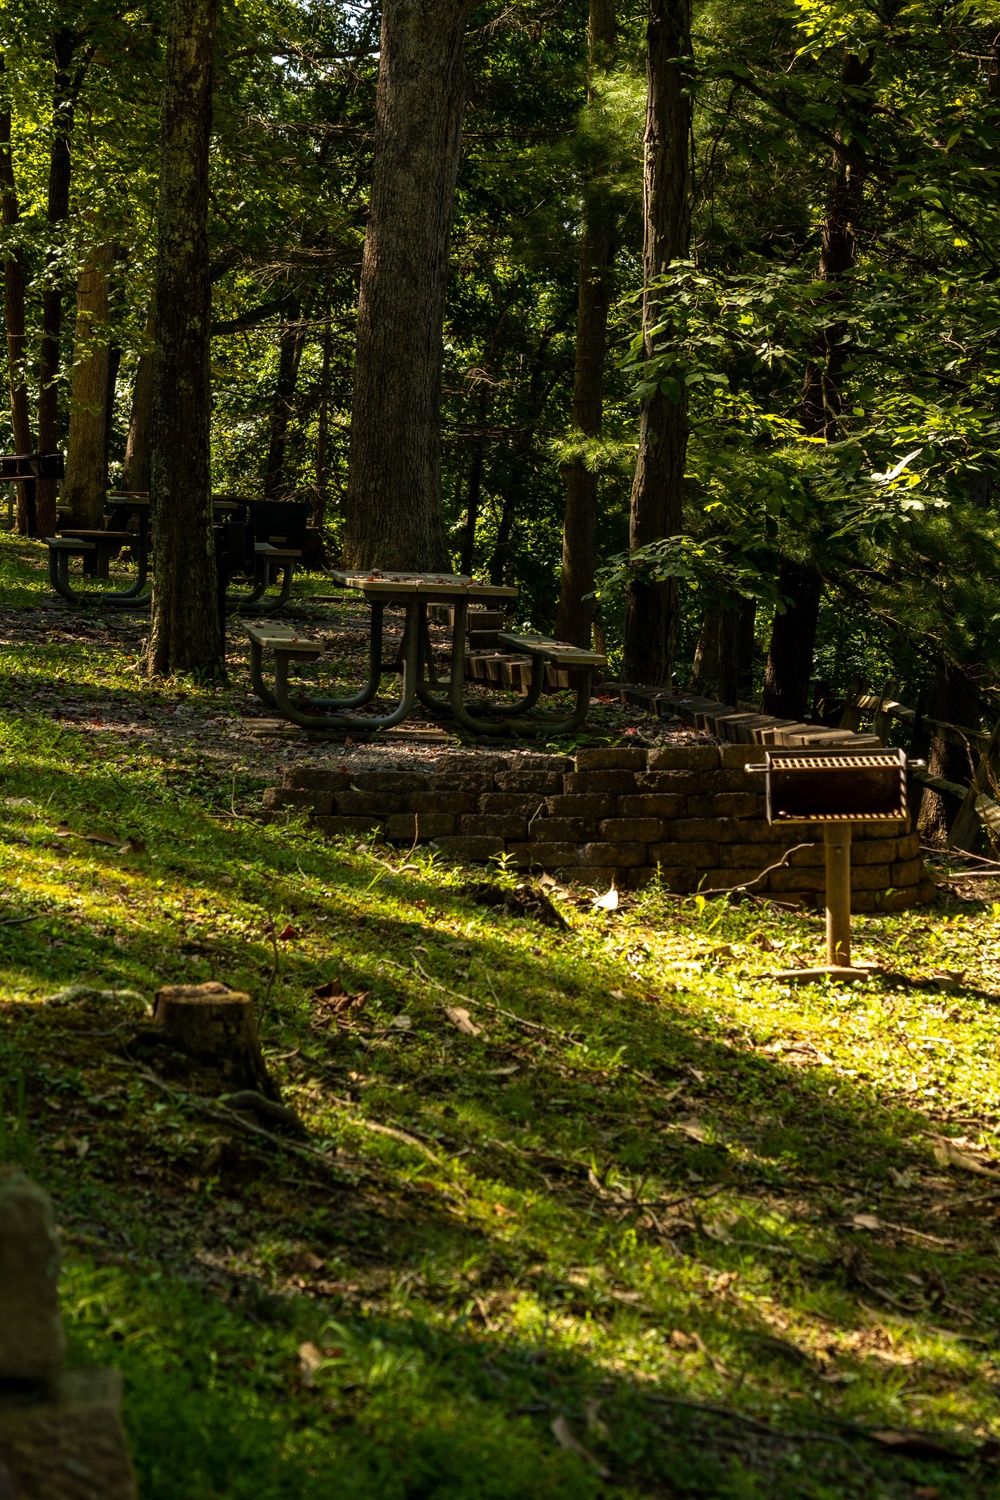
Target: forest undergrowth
[{"x": 582, "y": 1210}]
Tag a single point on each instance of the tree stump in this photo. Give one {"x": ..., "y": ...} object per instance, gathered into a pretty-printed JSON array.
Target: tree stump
[{"x": 216, "y": 1026}]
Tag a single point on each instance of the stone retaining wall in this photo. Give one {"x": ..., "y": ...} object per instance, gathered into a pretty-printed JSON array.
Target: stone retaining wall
[{"x": 690, "y": 813}]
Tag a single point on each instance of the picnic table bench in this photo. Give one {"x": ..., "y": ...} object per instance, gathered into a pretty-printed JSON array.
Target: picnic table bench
[{"x": 415, "y": 661}]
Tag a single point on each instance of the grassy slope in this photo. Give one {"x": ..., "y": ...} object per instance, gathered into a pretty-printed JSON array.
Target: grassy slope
[{"x": 654, "y": 1176}]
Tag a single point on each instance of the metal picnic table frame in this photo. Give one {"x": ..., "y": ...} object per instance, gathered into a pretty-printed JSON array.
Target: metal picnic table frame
[{"x": 419, "y": 679}]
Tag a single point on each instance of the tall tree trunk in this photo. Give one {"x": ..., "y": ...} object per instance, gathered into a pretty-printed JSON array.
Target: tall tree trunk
[
  {"x": 84, "y": 485},
  {"x": 64, "y": 91},
  {"x": 140, "y": 425},
  {"x": 289, "y": 355},
  {"x": 597, "y": 253},
  {"x": 393, "y": 504},
  {"x": 658, "y": 487},
  {"x": 954, "y": 700},
  {"x": 321, "y": 493},
  {"x": 185, "y": 632},
  {"x": 474, "y": 494},
  {"x": 13, "y": 303},
  {"x": 705, "y": 667},
  {"x": 789, "y": 662}
]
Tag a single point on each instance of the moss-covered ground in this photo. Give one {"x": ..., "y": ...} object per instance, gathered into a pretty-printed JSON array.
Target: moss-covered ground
[{"x": 596, "y": 1211}]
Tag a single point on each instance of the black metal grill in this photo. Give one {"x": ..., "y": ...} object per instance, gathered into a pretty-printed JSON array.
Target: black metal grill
[{"x": 836, "y": 786}]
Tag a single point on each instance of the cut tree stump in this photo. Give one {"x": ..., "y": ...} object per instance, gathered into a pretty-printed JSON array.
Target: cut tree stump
[{"x": 216, "y": 1026}]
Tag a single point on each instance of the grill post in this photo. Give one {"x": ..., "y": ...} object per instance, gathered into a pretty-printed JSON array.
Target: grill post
[{"x": 837, "y": 841}]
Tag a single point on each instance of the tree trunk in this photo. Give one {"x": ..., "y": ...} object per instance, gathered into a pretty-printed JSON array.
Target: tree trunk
[
  {"x": 85, "y": 481},
  {"x": 321, "y": 494},
  {"x": 138, "y": 442},
  {"x": 290, "y": 353},
  {"x": 705, "y": 667},
  {"x": 393, "y": 504},
  {"x": 60, "y": 167},
  {"x": 954, "y": 700},
  {"x": 736, "y": 642},
  {"x": 597, "y": 253},
  {"x": 658, "y": 488},
  {"x": 820, "y": 412},
  {"x": 185, "y": 632},
  {"x": 111, "y": 391},
  {"x": 793, "y": 635},
  {"x": 14, "y": 320}
]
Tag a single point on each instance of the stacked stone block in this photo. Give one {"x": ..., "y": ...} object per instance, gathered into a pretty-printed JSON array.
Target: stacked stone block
[{"x": 690, "y": 814}]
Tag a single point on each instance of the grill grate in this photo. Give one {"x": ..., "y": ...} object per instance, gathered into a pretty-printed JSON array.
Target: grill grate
[{"x": 832, "y": 762}]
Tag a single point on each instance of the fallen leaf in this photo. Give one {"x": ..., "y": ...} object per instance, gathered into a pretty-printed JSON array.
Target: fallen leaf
[
  {"x": 866, "y": 1221},
  {"x": 607, "y": 902},
  {"x": 310, "y": 1359},
  {"x": 459, "y": 1018},
  {"x": 682, "y": 1340},
  {"x": 288, "y": 933},
  {"x": 693, "y": 1128},
  {"x": 563, "y": 1435},
  {"x": 618, "y": 994},
  {"x": 403, "y": 1022}
]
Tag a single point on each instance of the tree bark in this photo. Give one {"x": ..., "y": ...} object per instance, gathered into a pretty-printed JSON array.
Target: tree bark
[
  {"x": 321, "y": 493},
  {"x": 138, "y": 444},
  {"x": 793, "y": 635},
  {"x": 14, "y": 316},
  {"x": 705, "y": 667},
  {"x": 289, "y": 356},
  {"x": 64, "y": 91},
  {"x": 658, "y": 487},
  {"x": 216, "y": 1026},
  {"x": 393, "y": 515},
  {"x": 185, "y": 632},
  {"x": 793, "y": 639},
  {"x": 598, "y": 242},
  {"x": 954, "y": 700},
  {"x": 85, "y": 481},
  {"x": 736, "y": 643}
]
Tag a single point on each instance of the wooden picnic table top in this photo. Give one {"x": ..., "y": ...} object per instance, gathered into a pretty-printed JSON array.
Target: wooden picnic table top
[{"x": 431, "y": 587}]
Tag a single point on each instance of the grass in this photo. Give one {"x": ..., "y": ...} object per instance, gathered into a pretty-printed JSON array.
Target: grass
[{"x": 661, "y": 1227}]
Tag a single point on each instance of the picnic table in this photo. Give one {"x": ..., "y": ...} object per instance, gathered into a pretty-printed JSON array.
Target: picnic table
[
  {"x": 415, "y": 661},
  {"x": 239, "y": 554}
]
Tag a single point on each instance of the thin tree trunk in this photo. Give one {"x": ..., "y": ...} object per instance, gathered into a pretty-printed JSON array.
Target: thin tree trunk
[
  {"x": 473, "y": 499},
  {"x": 140, "y": 425},
  {"x": 954, "y": 700},
  {"x": 111, "y": 392},
  {"x": 736, "y": 638},
  {"x": 705, "y": 667},
  {"x": 185, "y": 632},
  {"x": 597, "y": 253},
  {"x": 393, "y": 504},
  {"x": 64, "y": 92},
  {"x": 789, "y": 663},
  {"x": 14, "y": 317},
  {"x": 321, "y": 494},
  {"x": 658, "y": 488},
  {"x": 84, "y": 484},
  {"x": 289, "y": 356}
]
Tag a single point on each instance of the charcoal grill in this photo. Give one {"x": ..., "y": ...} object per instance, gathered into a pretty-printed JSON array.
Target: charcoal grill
[{"x": 836, "y": 788}]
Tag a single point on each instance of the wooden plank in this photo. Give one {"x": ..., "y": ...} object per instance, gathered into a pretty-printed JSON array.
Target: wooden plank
[{"x": 554, "y": 651}]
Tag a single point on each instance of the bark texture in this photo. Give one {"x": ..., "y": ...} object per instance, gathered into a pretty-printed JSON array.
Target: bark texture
[
  {"x": 85, "y": 481},
  {"x": 658, "y": 488},
  {"x": 597, "y": 253},
  {"x": 64, "y": 91},
  {"x": 289, "y": 357},
  {"x": 321, "y": 491},
  {"x": 954, "y": 700},
  {"x": 793, "y": 638},
  {"x": 393, "y": 513},
  {"x": 184, "y": 630},
  {"x": 138, "y": 444},
  {"x": 13, "y": 303},
  {"x": 218, "y": 1027}
]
